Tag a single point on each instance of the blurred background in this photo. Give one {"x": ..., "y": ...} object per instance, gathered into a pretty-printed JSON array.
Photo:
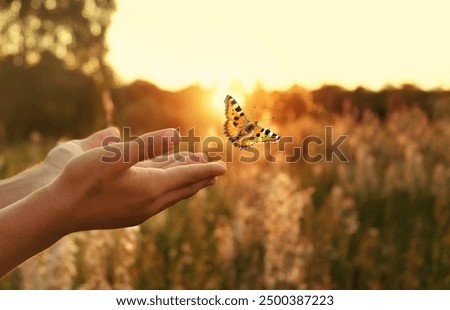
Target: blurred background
[{"x": 376, "y": 72}]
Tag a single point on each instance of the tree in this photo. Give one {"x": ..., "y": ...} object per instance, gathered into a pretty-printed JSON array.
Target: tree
[
  {"x": 52, "y": 65},
  {"x": 73, "y": 31}
]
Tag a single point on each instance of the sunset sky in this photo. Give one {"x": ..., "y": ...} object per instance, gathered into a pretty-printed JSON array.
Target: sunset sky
[{"x": 278, "y": 43}]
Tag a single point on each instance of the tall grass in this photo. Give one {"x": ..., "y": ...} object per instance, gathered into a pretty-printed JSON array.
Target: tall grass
[{"x": 380, "y": 221}]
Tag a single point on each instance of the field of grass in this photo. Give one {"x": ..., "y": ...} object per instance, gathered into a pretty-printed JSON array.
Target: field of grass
[{"x": 379, "y": 221}]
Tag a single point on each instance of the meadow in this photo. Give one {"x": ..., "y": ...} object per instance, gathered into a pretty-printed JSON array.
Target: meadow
[{"x": 379, "y": 221}]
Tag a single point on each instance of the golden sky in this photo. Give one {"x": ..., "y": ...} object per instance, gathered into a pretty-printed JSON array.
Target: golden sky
[{"x": 279, "y": 43}]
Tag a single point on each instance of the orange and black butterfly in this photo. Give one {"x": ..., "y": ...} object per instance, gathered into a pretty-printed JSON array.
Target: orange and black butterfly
[{"x": 242, "y": 132}]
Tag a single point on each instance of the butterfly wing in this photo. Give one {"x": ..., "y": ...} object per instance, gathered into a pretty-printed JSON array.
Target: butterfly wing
[
  {"x": 260, "y": 135},
  {"x": 240, "y": 130},
  {"x": 236, "y": 120}
]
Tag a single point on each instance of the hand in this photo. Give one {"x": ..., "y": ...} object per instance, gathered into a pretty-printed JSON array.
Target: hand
[
  {"x": 99, "y": 194},
  {"x": 91, "y": 191}
]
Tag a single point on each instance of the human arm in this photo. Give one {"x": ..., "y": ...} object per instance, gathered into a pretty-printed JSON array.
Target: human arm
[
  {"x": 26, "y": 182},
  {"x": 93, "y": 194}
]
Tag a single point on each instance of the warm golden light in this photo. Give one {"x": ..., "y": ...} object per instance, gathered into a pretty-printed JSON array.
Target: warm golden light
[
  {"x": 350, "y": 43},
  {"x": 220, "y": 91}
]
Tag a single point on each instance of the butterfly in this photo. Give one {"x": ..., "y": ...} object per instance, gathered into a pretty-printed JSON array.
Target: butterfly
[{"x": 242, "y": 132}]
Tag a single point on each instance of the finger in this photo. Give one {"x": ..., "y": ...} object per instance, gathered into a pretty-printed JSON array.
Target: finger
[
  {"x": 212, "y": 181},
  {"x": 124, "y": 155},
  {"x": 152, "y": 183},
  {"x": 181, "y": 176},
  {"x": 172, "y": 160},
  {"x": 192, "y": 158},
  {"x": 101, "y": 137},
  {"x": 172, "y": 197}
]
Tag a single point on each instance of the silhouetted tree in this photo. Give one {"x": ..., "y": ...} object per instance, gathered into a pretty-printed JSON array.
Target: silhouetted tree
[
  {"x": 47, "y": 98},
  {"x": 52, "y": 67},
  {"x": 290, "y": 104},
  {"x": 73, "y": 31},
  {"x": 331, "y": 97}
]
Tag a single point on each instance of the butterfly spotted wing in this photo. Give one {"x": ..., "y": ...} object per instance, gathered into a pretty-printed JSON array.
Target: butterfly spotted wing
[{"x": 240, "y": 130}]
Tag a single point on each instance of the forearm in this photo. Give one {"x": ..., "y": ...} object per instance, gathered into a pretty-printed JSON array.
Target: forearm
[
  {"x": 21, "y": 185},
  {"x": 29, "y": 226}
]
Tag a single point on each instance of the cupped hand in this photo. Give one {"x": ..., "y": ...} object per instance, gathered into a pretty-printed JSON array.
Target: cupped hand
[{"x": 118, "y": 185}]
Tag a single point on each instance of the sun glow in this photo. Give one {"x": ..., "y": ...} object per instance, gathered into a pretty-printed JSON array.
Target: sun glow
[
  {"x": 219, "y": 92},
  {"x": 279, "y": 43}
]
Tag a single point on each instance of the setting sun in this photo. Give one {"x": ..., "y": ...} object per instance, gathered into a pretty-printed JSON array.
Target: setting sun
[
  {"x": 224, "y": 145},
  {"x": 220, "y": 91}
]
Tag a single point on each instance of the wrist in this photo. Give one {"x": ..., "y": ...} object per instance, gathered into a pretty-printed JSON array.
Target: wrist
[
  {"x": 23, "y": 184},
  {"x": 67, "y": 200},
  {"x": 29, "y": 226},
  {"x": 57, "y": 204}
]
